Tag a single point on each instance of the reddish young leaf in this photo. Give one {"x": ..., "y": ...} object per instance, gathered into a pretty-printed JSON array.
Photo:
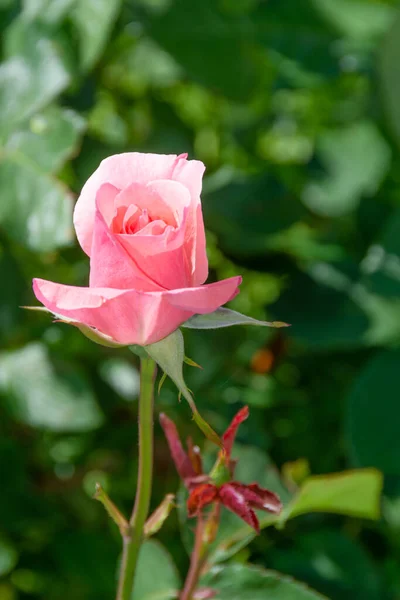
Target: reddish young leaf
[
  {"x": 180, "y": 458},
  {"x": 195, "y": 456},
  {"x": 234, "y": 500},
  {"x": 229, "y": 436},
  {"x": 200, "y": 497},
  {"x": 258, "y": 497}
]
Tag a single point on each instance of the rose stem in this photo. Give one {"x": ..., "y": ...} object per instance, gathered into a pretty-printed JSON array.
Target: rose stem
[
  {"x": 197, "y": 560},
  {"x": 132, "y": 540}
]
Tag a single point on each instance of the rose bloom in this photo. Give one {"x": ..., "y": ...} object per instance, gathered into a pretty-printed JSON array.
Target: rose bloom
[{"x": 139, "y": 220}]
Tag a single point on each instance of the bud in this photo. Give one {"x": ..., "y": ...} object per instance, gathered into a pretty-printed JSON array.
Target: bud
[
  {"x": 112, "y": 509},
  {"x": 159, "y": 516}
]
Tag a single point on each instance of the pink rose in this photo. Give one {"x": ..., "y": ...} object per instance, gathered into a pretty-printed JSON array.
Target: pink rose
[{"x": 139, "y": 219}]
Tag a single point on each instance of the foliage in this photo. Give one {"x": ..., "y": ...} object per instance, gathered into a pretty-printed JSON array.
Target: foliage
[{"x": 294, "y": 108}]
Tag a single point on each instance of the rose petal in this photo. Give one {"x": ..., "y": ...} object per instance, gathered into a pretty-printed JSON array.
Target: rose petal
[
  {"x": 165, "y": 257},
  {"x": 199, "y": 256},
  {"x": 121, "y": 170},
  {"x": 111, "y": 265},
  {"x": 131, "y": 316},
  {"x": 163, "y": 199},
  {"x": 207, "y": 298}
]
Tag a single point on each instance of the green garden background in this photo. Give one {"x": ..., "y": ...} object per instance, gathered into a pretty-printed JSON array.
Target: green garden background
[{"x": 294, "y": 107}]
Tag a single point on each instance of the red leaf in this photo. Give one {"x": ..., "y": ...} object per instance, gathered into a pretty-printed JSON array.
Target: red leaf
[
  {"x": 258, "y": 497},
  {"x": 235, "y": 501},
  {"x": 229, "y": 436},
  {"x": 200, "y": 497},
  {"x": 180, "y": 458}
]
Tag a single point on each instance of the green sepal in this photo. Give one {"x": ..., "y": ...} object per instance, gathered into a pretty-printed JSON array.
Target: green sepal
[
  {"x": 138, "y": 350},
  {"x": 225, "y": 317},
  {"x": 169, "y": 354},
  {"x": 191, "y": 363},
  {"x": 92, "y": 334},
  {"x": 161, "y": 382}
]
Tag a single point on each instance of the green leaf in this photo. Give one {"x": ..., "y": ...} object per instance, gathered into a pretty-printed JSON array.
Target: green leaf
[
  {"x": 355, "y": 19},
  {"x": 8, "y": 557},
  {"x": 351, "y": 172},
  {"x": 89, "y": 558},
  {"x": 246, "y": 212},
  {"x": 51, "y": 12},
  {"x": 335, "y": 562},
  {"x": 35, "y": 209},
  {"x": 156, "y": 576},
  {"x": 169, "y": 354},
  {"x": 321, "y": 310},
  {"x": 48, "y": 140},
  {"x": 381, "y": 265},
  {"x": 93, "y": 20},
  {"x": 224, "y": 317},
  {"x": 11, "y": 294},
  {"x": 43, "y": 397},
  {"x": 139, "y": 65},
  {"x": 122, "y": 377},
  {"x": 34, "y": 74},
  {"x": 389, "y": 80},
  {"x": 373, "y": 416},
  {"x": 240, "y": 582},
  {"x": 186, "y": 27},
  {"x": 106, "y": 124},
  {"x": 355, "y": 493}
]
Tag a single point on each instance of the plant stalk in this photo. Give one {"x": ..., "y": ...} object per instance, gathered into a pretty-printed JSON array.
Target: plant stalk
[
  {"x": 197, "y": 561},
  {"x": 133, "y": 538}
]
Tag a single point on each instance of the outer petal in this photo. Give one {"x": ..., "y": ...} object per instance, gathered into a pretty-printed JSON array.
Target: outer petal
[
  {"x": 199, "y": 256},
  {"x": 234, "y": 500},
  {"x": 206, "y": 298},
  {"x": 190, "y": 173},
  {"x": 131, "y": 316},
  {"x": 121, "y": 170}
]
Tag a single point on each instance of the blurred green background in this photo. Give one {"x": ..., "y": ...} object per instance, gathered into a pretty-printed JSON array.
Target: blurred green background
[{"x": 294, "y": 106}]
